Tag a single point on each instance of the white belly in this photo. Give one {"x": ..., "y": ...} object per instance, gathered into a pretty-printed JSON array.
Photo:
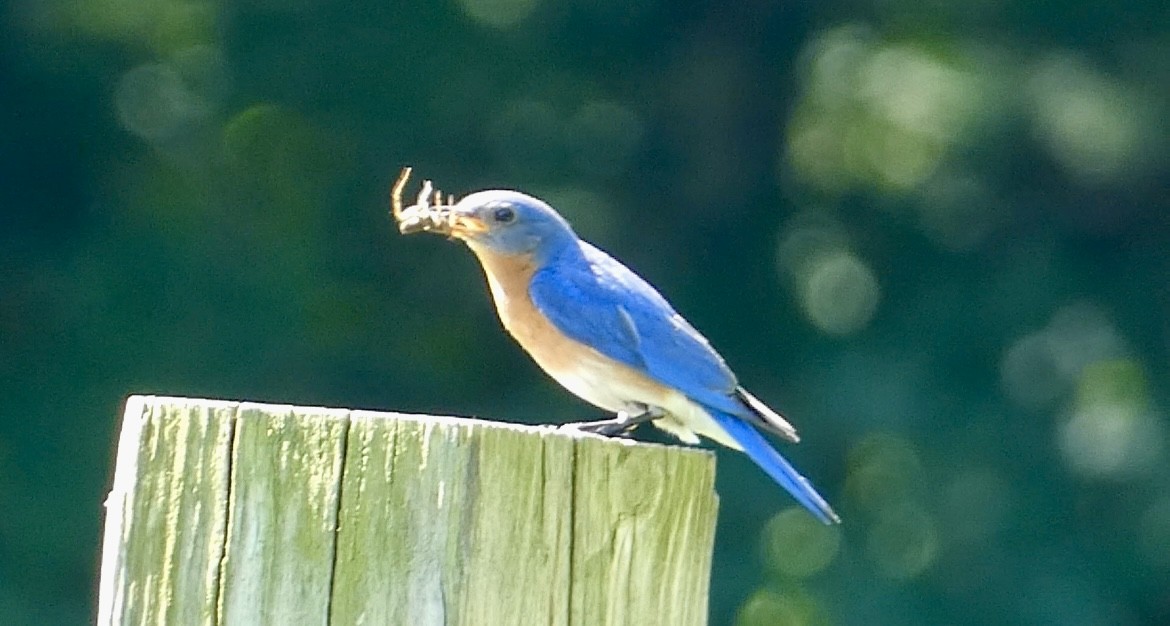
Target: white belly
[
  {"x": 595, "y": 379},
  {"x": 591, "y": 377}
]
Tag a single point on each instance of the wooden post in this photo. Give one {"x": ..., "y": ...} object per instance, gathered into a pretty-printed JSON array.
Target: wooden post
[{"x": 228, "y": 513}]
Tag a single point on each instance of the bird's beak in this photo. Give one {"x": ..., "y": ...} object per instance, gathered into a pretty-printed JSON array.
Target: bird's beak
[{"x": 464, "y": 224}]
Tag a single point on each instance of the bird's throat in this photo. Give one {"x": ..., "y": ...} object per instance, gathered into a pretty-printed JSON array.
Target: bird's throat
[{"x": 508, "y": 277}]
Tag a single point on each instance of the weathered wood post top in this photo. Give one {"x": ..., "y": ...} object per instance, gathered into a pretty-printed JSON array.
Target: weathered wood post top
[{"x": 230, "y": 513}]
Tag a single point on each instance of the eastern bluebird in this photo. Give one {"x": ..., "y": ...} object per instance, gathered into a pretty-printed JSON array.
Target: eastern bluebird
[{"x": 604, "y": 333}]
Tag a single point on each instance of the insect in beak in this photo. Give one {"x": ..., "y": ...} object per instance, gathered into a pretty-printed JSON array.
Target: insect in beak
[{"x": 428, "y": 213}]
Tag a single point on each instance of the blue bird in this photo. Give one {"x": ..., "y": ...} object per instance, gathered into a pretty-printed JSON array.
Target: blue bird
[{"x": 606, "y": 335}]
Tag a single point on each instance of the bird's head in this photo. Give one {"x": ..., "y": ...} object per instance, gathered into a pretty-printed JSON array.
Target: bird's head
[{"x": 507, "y": 222}]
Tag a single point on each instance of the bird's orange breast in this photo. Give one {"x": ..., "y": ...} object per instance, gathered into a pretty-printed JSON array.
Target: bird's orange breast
[
  {"x": 508, "y": 277},
  {"x": 583, "y": 370}
]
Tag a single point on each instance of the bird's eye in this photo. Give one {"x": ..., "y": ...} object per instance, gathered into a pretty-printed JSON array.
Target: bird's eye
[{"x": 504, "y": 215}]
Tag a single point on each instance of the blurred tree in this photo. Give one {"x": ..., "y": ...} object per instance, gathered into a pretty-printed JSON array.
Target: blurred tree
[{"x": 937, "y": 235}]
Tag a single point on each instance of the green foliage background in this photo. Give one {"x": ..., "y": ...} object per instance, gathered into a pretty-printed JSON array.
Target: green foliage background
[{"x": 937, "y": 235}]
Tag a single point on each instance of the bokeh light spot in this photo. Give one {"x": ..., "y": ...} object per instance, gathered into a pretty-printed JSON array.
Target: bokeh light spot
[
  {"x": 840, "y": 294},
  {"x": 835, "y": 59},
  {"x": 897, "y": 160},
  {"x": 159, "y": 25},
  {"x": 815, "y": 153},
  {"x": 1111, "y": 431},
  {"x": 903, "y": 541},
  {"x": 798, "y": 546},
  {"x": 882, "y": 115},
  {"x": 498, "y": 13},
  {"x": 183, "y": 23},
  {"x": 283, "y": 154},
  {"x": 1029, "y": 374},
  {"x": 1043, "y": 366},
  {"x": 919, "y": 92},
  {"x": 767, "y": 607},
  {"x": 153, "y": 102},
  {"x": 1093, "y": 126},
  {"x": 807, "y": 238},
  {"x": 884, "y": 469}
]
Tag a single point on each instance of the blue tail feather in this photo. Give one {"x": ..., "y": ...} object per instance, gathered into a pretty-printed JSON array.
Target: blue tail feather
[{"x": 764, "y": 455}]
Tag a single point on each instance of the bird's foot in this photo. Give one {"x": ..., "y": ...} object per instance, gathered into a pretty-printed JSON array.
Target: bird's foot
[
  {"x": 605, "y": 428},
  {"x": 622, "y": 425}
]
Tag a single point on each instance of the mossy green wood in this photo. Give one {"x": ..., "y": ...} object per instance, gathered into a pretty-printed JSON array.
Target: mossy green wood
[
  {"x": 282, "y": 515},
  {"x": 166, "y": 513},
  {"x": 642, "y": 534},
  {"x": 294, "y": 515},
  {"x": 451, "y": 521}
]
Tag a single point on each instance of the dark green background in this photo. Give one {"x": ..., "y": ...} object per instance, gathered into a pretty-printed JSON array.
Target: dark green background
[{"x": 935, "y": 234}]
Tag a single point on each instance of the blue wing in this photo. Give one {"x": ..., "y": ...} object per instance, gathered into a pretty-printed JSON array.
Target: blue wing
[{"x": 603, "y": 304}]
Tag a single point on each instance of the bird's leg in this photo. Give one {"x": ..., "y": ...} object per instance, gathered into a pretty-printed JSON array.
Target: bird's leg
[{"x": 622, "y": 424}]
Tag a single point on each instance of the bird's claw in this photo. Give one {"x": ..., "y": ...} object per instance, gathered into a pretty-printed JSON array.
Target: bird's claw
[
  {"x": 622, "y": 425},
  {"x": 605, "y": 428},
  {"x": 428, "y": 213}
]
